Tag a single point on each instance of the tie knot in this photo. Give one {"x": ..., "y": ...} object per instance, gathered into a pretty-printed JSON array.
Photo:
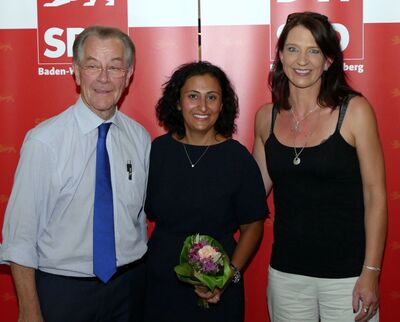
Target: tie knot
[{"x": 103, "y": 130}]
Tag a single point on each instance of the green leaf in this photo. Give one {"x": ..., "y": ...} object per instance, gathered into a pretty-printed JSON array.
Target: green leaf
[{"x": 184, "y": 269}]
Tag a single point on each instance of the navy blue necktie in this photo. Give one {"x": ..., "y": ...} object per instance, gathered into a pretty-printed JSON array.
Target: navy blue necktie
[{"x": 104, "y": 259}]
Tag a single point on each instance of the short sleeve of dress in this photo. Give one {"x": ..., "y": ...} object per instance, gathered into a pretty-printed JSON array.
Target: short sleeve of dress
[
  {"x": 251, "y": 199},
  {"x": 154, "y": 168}
]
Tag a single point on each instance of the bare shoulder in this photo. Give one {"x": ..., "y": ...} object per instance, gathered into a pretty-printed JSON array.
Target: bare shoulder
[
  {"x": 265, "y": 111},
  {"x": 359, "y": 107},
  {"x": 360, "y": 120},
  {"x": 263, "y": 120},
  {"x": 360, "y": 113}
]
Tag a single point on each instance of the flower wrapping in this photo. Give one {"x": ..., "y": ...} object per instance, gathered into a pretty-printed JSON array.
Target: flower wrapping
[{"x": 203, "y": 261}]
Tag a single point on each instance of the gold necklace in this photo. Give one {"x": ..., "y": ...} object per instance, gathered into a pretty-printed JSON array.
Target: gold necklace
[
  {"x": 296, "y": 159},
  {"x": 193, "y": 164}
]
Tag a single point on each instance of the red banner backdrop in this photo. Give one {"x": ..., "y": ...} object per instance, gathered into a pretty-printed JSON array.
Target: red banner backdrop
[{"x": 35, "y": 44}]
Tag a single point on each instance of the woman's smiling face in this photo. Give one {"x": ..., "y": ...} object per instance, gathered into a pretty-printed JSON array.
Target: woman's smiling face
[
  {"x": 302, "y": 59},
  {"x": 201, "y": 103}
]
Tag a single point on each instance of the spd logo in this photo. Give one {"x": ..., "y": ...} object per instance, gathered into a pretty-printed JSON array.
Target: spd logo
[
  {"x": 60, "y": 21},
  {"x": 345, "y": 15}
]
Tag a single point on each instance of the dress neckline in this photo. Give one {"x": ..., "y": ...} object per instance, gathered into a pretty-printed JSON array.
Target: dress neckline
[{"x": 194, "y": 146}]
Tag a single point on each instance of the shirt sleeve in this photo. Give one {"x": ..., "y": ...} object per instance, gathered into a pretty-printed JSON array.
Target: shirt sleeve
[
  {"x": 143, "y": 222},
  {"x": 29, "y": 204},
  {"x": 251, "y": 202}
]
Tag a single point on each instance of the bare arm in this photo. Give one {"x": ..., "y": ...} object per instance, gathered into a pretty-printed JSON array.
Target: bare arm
[
  {"x": 261, "y": 131},
  {"x": 249, "y": 240},
  {"x": 366, "y": 140},
  {"x": 28, "y": 301}
]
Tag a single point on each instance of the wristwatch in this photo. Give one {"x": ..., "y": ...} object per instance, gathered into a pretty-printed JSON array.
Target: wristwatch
[{"x": 237, "y": 276}]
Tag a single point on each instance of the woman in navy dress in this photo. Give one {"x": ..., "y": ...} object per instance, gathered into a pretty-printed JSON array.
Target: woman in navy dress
[{"x": 200, "y": 181}]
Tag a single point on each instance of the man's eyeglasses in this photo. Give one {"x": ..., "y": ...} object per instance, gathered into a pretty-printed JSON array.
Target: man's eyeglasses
[
  {"x": 95, "y": 70},
  {"x": 313, "y": 15}
]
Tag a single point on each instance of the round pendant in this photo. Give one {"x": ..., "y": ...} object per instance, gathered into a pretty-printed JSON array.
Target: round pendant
[{"x": 296, "y": 161}]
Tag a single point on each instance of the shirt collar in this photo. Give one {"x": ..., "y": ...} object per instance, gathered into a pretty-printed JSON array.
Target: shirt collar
[{"x": 88, "y": 121}]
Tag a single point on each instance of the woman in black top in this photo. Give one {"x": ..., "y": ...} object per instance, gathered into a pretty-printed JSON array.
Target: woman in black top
[
  {"x": 200, "y": 181},
  {"x": 318, "y": 147}
]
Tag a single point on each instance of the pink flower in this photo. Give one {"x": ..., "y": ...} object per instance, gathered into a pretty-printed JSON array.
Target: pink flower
[{"x": 209, "y": 251}]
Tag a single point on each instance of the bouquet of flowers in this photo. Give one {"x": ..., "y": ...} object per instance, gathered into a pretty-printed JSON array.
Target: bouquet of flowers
[{"x": 203, "y": 261}]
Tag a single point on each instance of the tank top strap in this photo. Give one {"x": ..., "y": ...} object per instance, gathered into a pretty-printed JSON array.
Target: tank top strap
[
  {"x": 342, "y": 111},
  {"x": 275, "y": 111}
]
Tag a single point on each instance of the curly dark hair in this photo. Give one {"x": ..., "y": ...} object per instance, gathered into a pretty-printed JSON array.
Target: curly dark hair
[
  {"x": 171, "y": 118},
  {"x": 334, "y": 86}
]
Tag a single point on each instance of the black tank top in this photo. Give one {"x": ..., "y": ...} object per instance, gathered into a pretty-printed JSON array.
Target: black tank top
[{"x": 319, "y": 207}]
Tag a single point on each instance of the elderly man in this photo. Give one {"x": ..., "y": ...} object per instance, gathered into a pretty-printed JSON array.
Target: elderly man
[{"x": 74, "y": 230}]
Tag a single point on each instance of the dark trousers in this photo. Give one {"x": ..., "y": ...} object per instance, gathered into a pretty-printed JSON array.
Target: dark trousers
[{"x": 75, "y": 299}]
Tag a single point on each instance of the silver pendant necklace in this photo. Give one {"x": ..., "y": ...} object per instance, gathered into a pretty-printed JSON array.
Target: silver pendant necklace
[
  {"x": 296, "y": 159},
  {"x": 193, "y": 164},
  {"x": 297, "y": 121}
]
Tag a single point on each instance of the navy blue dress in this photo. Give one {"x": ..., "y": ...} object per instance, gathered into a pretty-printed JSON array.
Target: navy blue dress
[{"x": 223, "y": 191}]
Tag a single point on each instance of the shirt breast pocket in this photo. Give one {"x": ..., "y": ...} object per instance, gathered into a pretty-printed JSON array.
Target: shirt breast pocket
[{"x": 131, "y": 189}]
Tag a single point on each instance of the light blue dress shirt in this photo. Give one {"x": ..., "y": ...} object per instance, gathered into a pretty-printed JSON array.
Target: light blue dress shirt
[{"x": 48, "y": 223}]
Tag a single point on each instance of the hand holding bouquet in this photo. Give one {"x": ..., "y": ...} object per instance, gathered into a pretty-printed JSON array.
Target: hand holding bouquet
[{"x": 203, "y": 261}]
